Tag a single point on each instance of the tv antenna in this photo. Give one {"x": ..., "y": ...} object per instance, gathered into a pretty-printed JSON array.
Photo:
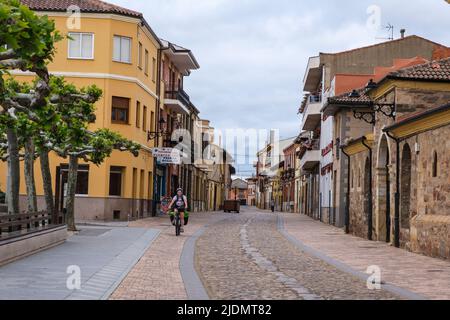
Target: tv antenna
[{"x": 390, "y": 29}]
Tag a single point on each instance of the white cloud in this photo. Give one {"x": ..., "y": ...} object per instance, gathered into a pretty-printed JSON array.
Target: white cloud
[{"x": 253, "y": 53}]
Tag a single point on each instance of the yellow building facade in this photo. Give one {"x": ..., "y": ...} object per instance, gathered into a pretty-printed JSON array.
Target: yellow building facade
[{"x": 118, "y": 52}]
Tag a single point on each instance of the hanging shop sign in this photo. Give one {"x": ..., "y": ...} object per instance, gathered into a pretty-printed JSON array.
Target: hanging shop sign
[
  {"x": 170, "y": 159},
  {"x": 165, "y": 152},
  {"x": 167, "y": 155}
]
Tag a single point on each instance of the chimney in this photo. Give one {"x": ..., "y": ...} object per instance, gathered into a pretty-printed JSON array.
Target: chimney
[
  {"x": 272, "y": 137},
  {"x": 402, "y": 32}
]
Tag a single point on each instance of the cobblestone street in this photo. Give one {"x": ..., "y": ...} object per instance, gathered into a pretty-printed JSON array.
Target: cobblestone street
[{"x": 245, "y": 257}]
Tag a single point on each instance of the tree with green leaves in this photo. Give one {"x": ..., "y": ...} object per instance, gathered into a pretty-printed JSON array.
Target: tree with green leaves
[
  {"x": 26, "y": 44},
  {"x": 46, "y": 115},
  {"x": 72, "y": 139}
]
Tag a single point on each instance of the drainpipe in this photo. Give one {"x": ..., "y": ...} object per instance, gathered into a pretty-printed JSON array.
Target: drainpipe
[
  {"x": 370, "y": 222},
  {"x": 347, "y": 205},
  {"x": 397, "y": 192}
]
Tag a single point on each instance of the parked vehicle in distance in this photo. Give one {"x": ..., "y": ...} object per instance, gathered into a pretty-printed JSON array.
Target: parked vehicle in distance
[{"x": 232, "y": 205}]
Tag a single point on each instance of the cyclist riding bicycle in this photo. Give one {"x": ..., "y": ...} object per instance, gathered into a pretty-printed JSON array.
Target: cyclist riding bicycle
[{"x": 179, "y": 204}]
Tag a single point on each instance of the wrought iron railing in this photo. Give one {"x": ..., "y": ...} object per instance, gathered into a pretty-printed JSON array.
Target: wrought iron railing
[{"x": 180, "y": 95}]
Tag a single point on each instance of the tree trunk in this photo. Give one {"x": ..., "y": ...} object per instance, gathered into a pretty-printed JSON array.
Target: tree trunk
[
  {"x": 71, "y": 190},
  {"x": 29, "y": 175},
  {"x": 13, "y": 184},
  {"x": 47, "y": 184}
]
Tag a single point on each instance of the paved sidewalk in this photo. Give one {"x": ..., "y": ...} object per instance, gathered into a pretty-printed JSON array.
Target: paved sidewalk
[
  {"x": 104, "y": 256},
  {"x": 423, "y": 275},
  {"x": 157, "y": 275}
]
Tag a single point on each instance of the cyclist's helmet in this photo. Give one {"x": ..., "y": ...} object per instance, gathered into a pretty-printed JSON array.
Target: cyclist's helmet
[{"x": 179, "y": 189}]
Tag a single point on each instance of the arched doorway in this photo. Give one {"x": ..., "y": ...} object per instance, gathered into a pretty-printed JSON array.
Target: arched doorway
[
  {"x": 383, "y": 192},
  {"x": 405, "y": 188}
]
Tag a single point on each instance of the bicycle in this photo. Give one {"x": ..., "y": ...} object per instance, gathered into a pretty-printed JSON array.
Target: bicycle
[
  {"x": 175, "y": 217},
  {"x": 177, "y": 223}
]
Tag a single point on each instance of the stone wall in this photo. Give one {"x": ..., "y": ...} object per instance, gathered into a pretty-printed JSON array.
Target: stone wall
[
  {"x": 424, "y": 187},
  {"x": 412, "y": 100},
  {"x": 346, "y": 126},
  {"x": 358, "y": 195},
  {"x": 408, "y": 101},
  {"x": 428, "y": 231},
  {"x": 430, "y": 235}
]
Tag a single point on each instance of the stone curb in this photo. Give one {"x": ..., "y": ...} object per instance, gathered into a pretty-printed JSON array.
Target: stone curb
[
  {"x": 341, "y": 266},
  {"x": 193, "y": 285}
]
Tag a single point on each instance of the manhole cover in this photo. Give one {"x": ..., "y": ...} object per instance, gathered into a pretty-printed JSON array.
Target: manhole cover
[
  {"x": 435, "y": 270},
  {"x": 368, "y": 247},
  {"x": 92, "y": 232}
]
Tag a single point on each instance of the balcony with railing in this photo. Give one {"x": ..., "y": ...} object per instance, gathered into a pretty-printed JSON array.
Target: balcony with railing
[
  {"x": 311, "y": 157},
  {"x": 177, "y": 101},
  {"x": 311, "y": 113}
]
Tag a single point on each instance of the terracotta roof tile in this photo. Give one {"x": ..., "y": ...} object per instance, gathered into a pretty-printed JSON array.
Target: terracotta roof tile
[
  {"x": 346, "y": 99},
  {"x": 438, "y": 70},
  {"x": 90, "y": 6}
]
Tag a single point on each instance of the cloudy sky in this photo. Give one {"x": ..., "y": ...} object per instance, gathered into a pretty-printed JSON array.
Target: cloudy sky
[{"x": 253, "y": 53}]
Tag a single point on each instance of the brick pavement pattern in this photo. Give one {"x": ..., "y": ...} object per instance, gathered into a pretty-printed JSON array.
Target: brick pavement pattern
[
  {"x": 245, "y": 257},
  {"x": 157, "y": 275},
  {"x": 423, "y": 275}
]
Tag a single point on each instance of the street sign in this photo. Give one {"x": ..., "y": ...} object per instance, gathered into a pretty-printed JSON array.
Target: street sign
[
  {"x": 170, "y": 159},
  {"x": 165, "y": 152}
]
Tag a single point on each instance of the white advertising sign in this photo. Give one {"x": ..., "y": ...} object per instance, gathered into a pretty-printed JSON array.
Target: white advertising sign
[
  {"x": 164, "y": 152},
  {"x": 169, "y": 160},
  {"x": 167, "y": 155}
]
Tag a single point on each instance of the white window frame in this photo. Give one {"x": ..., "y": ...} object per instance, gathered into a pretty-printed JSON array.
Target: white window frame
[
  {"x": 81, "y": 41},
  {"x": 120, "y": 47}
]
